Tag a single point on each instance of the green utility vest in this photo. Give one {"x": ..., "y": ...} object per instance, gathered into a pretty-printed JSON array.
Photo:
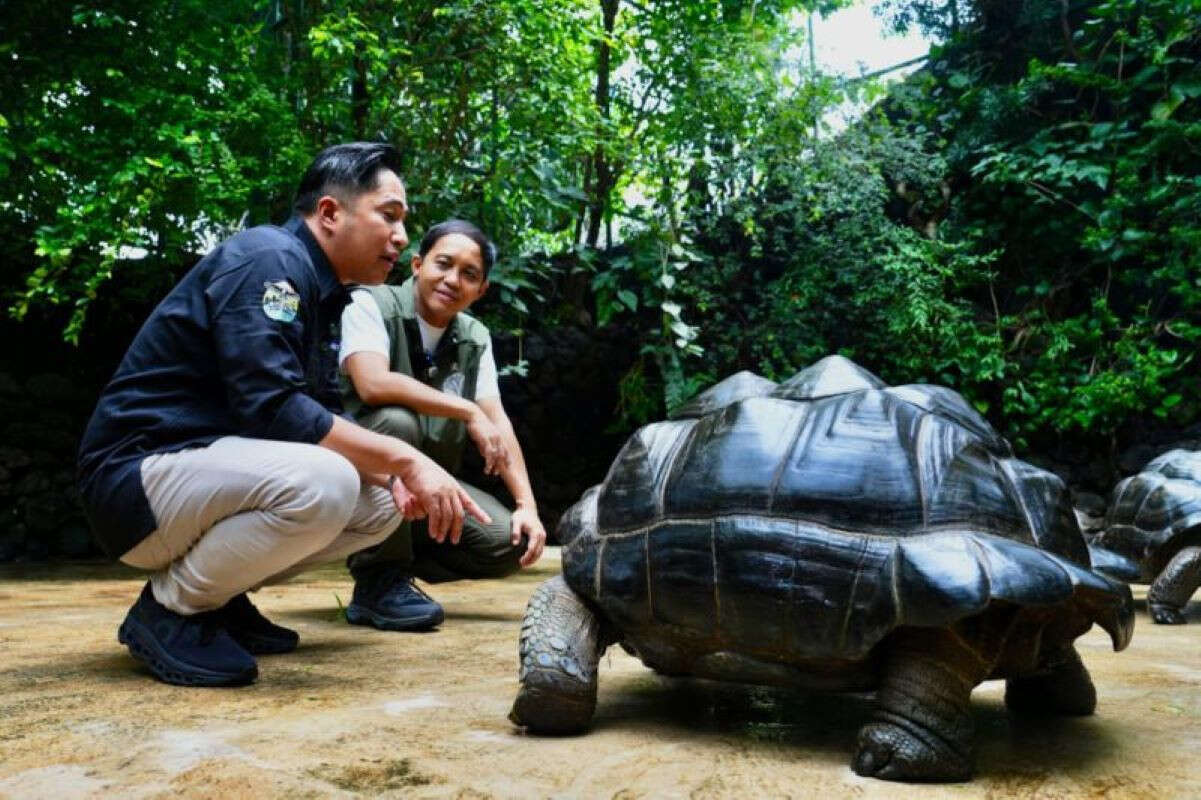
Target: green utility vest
[{"x": 453, "y": 369}]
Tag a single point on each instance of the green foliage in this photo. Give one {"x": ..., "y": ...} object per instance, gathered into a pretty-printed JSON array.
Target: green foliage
[
  {"x": 1019, "y": 219},
  {"x": 1083, "y": 175},
  {"x": 811, "y": 263},
  {"x": 1024, "y": 229},
  {"x": 936, "y": 18},
  {"x": 641, "y": 281},
  {"x": 156, "y": 127},
  {"x": 122, "y": 134},
  {"x": 489, "y": 102},
  {"x": 134, "y": 127},
  {"x": 712, "y": 96}
]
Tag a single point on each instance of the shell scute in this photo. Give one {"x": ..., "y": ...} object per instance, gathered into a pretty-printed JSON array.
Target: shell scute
[
  {"x": 631, "y": 494},
  {"x": 622, "y": 586},
  {"x": 683, "y": 586},
  {"x": 730, "y": 460},
  {"x": 738, "y": 386},
  {"x": 794, "y": 587}
]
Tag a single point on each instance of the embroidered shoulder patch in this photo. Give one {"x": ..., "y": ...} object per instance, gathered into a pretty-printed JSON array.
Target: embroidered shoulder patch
[{"x": 280, "y": 301}]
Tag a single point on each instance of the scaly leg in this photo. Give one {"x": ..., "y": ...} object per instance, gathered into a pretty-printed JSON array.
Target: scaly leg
[
  {"x": 559, "y": 650},
  {"x": 1175, "y": 585},
  {"x": 923, "y": 729}
]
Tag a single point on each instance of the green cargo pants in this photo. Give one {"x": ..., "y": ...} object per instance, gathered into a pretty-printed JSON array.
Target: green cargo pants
[{"x": 483, "y": 550}]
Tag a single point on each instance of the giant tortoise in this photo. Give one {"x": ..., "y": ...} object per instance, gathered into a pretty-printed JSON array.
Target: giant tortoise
[
  {"x": 1152, "y": 533},
  {"x": 828, "y": 532}
]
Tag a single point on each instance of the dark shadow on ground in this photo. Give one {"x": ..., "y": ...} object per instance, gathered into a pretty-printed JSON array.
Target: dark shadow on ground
[
  {"x": 334, "y": 616},
  {"x": 69, "y": 570},
  {"x": 331, "y": 615},
  {"x": 825, "y": 725},
  {"x": 464, "y": 616}
]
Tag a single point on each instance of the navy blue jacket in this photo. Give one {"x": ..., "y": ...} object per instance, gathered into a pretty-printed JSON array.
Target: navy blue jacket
[{"x": 245, "y": 345}]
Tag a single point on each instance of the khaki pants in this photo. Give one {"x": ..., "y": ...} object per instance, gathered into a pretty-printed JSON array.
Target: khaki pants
[
  {"x": 483, "y": 550},
  {"x": 244, "y": 512}
]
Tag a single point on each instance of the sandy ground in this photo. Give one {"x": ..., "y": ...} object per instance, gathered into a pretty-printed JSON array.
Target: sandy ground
[{"x": 357, "y": 712}]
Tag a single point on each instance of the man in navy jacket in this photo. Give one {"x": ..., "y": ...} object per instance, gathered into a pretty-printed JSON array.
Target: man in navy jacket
[{"x": 218, "y": 457}]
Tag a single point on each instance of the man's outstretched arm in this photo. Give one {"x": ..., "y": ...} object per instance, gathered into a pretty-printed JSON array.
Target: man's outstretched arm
[{"x": 439, "y": 495}]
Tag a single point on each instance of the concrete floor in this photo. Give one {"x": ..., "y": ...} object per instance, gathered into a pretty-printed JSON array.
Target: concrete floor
[{"x": 356, "y": 712}]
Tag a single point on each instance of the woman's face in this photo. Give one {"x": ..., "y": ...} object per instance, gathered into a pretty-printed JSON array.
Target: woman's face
[{"x": 448, "y": 279}]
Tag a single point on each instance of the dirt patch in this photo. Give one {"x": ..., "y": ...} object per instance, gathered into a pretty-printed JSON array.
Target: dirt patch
[{"x": 373, "y": 777}]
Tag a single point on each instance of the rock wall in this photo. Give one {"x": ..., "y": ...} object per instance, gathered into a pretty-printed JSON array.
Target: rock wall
[{"x": 41, "y": 518}]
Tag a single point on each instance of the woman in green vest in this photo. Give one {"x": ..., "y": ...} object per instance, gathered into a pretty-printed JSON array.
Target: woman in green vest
[{"x": 417, "y": 367}]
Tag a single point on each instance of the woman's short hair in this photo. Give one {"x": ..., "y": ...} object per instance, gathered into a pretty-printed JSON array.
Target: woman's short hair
[{"x": 465, "y": 228}]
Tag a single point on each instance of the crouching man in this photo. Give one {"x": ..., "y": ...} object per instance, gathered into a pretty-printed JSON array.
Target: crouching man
[
  {"x": 421, "y": 370},
  {"x": 217, "y": 458}
]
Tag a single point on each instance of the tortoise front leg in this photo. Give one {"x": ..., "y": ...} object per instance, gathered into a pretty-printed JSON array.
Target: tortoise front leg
[
  {"x": 923, "y": 729},
  {"x": 1175, "y": 585},
  {"x": 559, "y": 650}
]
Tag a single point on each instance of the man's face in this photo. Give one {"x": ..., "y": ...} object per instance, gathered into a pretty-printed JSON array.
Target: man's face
[
  {"x": 368, "y": 233},
  {"x": 449, "y": 279}
]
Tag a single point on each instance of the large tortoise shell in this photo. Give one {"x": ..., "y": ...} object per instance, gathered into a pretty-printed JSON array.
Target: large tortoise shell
[{"x": 813, "y": 516}]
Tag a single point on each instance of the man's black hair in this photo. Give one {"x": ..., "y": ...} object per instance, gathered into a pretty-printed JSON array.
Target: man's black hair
[
  {"x": 460, "y": 226},
  {"x": 344, "y": 171}
]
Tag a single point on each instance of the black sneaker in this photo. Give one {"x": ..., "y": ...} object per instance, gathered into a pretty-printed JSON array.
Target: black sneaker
[
  {"x": 184, "y": 650},
  {"x": 258, "y": 635},
  {"x": 387, "y": 599}
]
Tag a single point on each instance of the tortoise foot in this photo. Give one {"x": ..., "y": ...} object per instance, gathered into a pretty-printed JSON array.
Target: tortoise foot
[
  {"x": 553, "y": 707},
  {"x": 922, "y": 730},
  {"x": 893, "y": 753},
  {"x": 1162, "y": 614},
  {"x": 559, "y": 650},
  {"x": 1064, "y": 688}
]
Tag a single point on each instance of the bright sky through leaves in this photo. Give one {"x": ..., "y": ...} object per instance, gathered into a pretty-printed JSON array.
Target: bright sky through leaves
[{"x": 854, "y": 41}]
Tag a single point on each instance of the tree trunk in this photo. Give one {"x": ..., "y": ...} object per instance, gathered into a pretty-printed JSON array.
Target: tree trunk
[
  {"x": 358, "y": 93},
  {"x": 602, "y": 170},
  {"x": 582, "y": 217}
]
